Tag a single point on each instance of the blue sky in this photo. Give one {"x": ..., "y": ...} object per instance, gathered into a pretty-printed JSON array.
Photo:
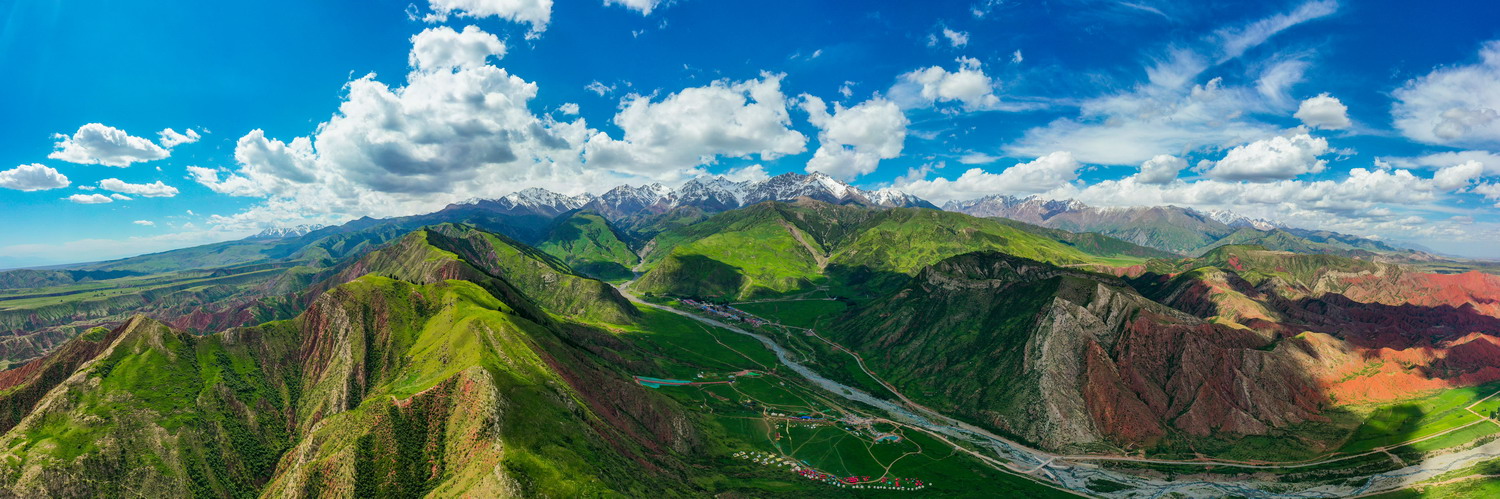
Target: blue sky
[{"x": 324, "y": 111}]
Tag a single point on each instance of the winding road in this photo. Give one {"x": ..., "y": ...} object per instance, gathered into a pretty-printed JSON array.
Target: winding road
[{"x": 1075, "y": 474}]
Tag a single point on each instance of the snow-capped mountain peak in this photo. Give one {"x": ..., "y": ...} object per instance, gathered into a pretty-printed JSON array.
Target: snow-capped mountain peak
[
  {"x": 536, "y": 197},
  {"x": 890, "y": 196},
  {"x": 532, "y": 199},
  {"x": 1001, "y": 205},
  {"x": 1238, "y": 221},
  {"x": 714, "y": 189},
  {"x": 285, "y": 232},
  {"x": 711, "y": 193},
  {"x": 828, "y": 183}
]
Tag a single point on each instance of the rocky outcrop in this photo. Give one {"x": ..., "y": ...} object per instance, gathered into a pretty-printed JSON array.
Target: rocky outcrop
[
  {"x": 1071, "y": 360},
  {"x": 1364, "y": 331}
]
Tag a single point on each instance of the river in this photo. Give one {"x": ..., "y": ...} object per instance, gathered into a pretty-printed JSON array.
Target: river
[{"x": 1078, "y": 476}]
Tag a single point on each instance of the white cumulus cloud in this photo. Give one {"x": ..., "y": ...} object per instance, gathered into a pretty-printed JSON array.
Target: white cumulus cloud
[
  {"x": 89, "y": 199},
  {"x": 1365, "y": 202},
  {"x": 956, "y": 38},
  {"x": 853, "y": 140},
  {"x": 169, "y": 138},
  {"x": 1040, "y": 175},
  {"x": 1456, "y": 105},
  {"x": 1324, "y": 111},
  {"x": 698, "y": 124},
  {"x": 442, "y": 49},
  {"x": 1161, "y": 169},
  {"x": 1276, "y": 158},
  {"x": 470, "y": 131},
  {"x": 537, "y": 13},
  {"x": 643, "y": 6},
  {"x": 32, "y": 177},
  {"x": 1490, "y": 191},
  {"x": 152, "y": 190},
  {"x": 1458, "y": 176},
  {"x": 1491, "y": 161},
  {"x": 95, "y": 143},
  {"x": 1167, "y": 114},
  {"x": 933, "y": 85},
  {"x": 600, "y": 88}
]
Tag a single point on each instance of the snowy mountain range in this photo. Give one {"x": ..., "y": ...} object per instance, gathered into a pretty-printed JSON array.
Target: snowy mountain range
[
  {"x": 285, "y": 232},
  {"x": 534, "y": 199},
  {"x": 1239, "y": 221},
  {"x": 1040, "y": 211},
  {"x": 1170, "y": 228},
  {"x": 709, "y": 193}
]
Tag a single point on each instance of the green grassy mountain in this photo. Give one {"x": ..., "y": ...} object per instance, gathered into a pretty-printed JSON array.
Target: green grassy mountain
[
  {"x": 450, "y": 362},
  {"x": 1092, "y": 243},
  {"x": 454, "y": 361},
  {"x": 1304, "y": 241},
  {"x": 783, "y": 248},
  {"x": 1259, "y": 264},
  {"x": 425, "y": 374},
  {"x": 587, "y": 243},
  {"x": 210, "y": 287},
  {"x": 1067, "y": 359}
]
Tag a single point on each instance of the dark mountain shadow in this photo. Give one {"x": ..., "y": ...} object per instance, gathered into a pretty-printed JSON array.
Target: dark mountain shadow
[
  {"x": 605, "y": 271},
  {"x": 860, "y": 283},
  {"x": 694, "y": 276},
  {"x": 1377, "y": 325}
]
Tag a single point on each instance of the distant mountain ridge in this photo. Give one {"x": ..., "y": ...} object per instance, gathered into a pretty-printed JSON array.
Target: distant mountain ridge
[
  {"x": 1179, "y": 230},
  {"x": 1239, "y": 221},
  {"x": 1183, "y": 231},
  {"x": 708, "y": 193},
  {"x": 286, "y": 232}
]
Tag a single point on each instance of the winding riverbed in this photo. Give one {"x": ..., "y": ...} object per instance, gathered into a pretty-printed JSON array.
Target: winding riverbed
[{"x": 1078, "y": 476}]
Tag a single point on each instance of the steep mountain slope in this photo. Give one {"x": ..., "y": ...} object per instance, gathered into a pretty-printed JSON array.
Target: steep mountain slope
[
  {"x": 24, "y": 386},
  {"x": 1385, "y": 332},
  {"x": 157, "y": 412},
  {"x": 779, "y": 248},
  {"x": 517, "y": 273},
  {"x": 587, "y": 243},
  {"x": 212, "y": 287},
  {"x": 1071, "y": 360},
  {"x": 451, "y": 378},
  {"x": 748, "y": 252}
]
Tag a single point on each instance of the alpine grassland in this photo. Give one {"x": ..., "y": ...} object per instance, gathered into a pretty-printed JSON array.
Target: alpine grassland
[
  {"x": 781, "y": 249},
  {"x": 588, "y": 244}
]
